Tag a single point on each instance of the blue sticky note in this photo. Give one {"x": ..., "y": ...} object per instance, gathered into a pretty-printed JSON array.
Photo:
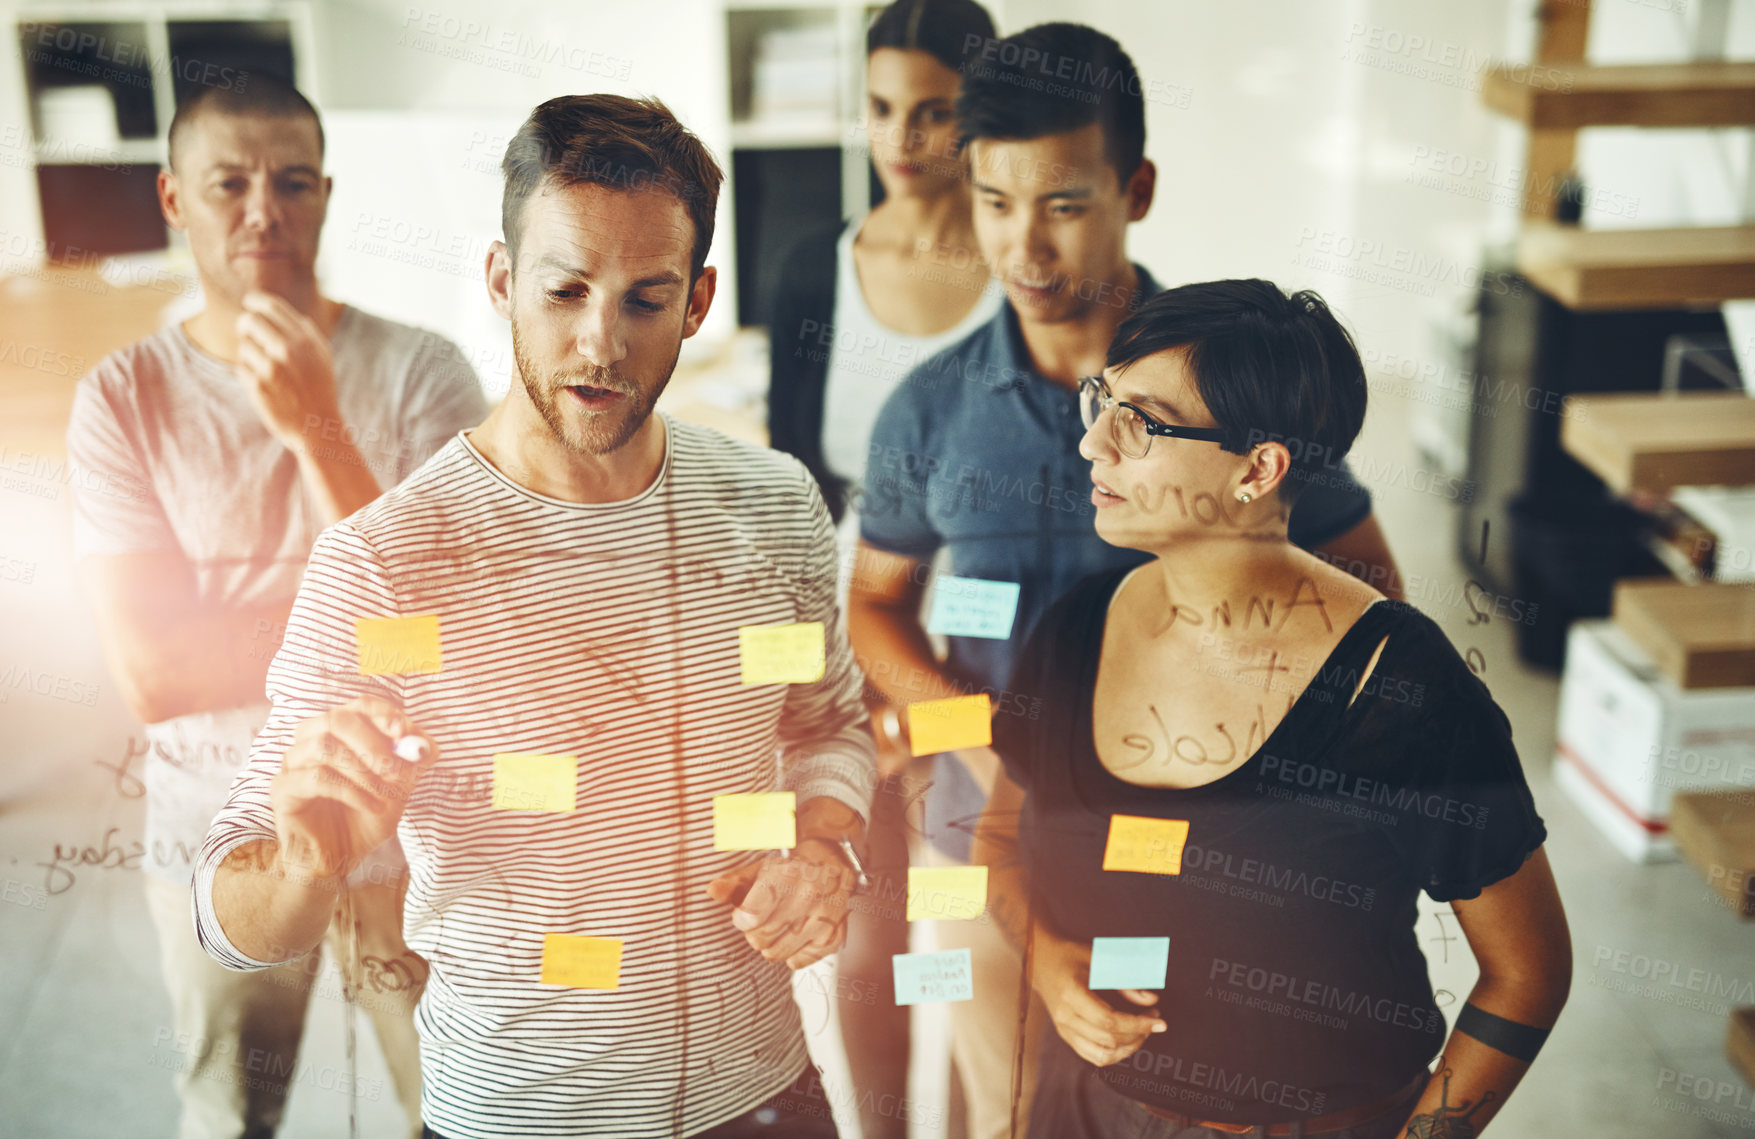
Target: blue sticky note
[
  {"x": 922, "y": 978},
  {"x": 971, "y": 607},
  {"x": 1129, "y": 962}
]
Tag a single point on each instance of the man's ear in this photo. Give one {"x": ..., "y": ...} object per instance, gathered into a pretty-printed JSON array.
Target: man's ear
[
  {"x": 499, "y": 278},
  {"x": 1140, "y": 189},
  {"x": 700, "y": 300},
  {"x": 323, "y": 208},
  {"x": 170, "y": 199}
]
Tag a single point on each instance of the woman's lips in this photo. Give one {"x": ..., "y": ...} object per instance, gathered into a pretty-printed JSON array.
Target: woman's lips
[{"x": 1102, "y": 496}]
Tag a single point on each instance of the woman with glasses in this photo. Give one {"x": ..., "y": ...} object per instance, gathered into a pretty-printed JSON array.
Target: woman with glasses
[
  {"x": 854, "y": 310},
  {"x": 1247, "y": 767}
]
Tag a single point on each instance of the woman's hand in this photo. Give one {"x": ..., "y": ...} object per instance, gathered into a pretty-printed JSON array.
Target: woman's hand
[{"x": 1060, "y": 971}]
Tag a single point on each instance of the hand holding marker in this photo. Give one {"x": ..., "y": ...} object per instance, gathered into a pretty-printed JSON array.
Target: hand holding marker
[{"x": 344, "y": 784}]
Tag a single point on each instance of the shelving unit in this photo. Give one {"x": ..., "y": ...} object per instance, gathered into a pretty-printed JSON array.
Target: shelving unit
[
  {"x": 798, "y": 159},
  {"x": 1604, "y": 307},
  {"x": 1698, "y": 635},
  {"x": 99, "y": 85},
  {"x": 1624, "y": 269}
]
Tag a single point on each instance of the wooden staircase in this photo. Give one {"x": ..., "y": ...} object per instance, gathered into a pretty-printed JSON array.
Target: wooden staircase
[{"x": 1622, "y": 269}]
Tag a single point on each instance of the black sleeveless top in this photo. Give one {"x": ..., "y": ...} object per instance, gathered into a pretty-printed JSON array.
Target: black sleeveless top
[{"x": 1296, "y": 986}]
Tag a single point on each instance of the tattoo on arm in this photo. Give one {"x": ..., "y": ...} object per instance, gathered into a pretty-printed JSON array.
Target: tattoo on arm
[
  {"x": 1445, "y": 1121},
  {"x": 1519, "y": 1041}
]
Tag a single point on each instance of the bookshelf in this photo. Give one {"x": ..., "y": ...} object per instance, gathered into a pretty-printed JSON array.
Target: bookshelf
[
  {"x": 798, "y": 158},
  {"x": 95, "y": 89}
]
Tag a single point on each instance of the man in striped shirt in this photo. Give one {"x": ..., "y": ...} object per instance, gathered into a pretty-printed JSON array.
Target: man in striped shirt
[{"x": 582, "y": 570}]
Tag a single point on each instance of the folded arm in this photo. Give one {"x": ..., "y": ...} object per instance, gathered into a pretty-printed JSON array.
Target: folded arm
[{"x": 170, "y": 653}]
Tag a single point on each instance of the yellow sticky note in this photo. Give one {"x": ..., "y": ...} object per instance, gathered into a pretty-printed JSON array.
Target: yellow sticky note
[
  {"x": 389, "y": 646},
  {"x": 781, "y": 654},
  {"x": 956, "y": 893},
  {"x": 945, "y": 725},
  {"x": 763, "y": 821},
  {"x": 581, "y": 962},
  {"x": 1145, "y": 845},
  {"x": 534, "y": 782}
]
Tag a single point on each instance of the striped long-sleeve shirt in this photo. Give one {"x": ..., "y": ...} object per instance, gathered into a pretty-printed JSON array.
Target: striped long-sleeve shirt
[{"x": 607, "y": 632}]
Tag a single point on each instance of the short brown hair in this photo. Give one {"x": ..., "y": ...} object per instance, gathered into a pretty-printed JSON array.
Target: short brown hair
[
  {"x": 610, "y": 140},
  {"x": 263, "y": 95}
]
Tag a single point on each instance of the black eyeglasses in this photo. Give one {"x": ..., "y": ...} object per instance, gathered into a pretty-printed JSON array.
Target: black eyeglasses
[{"x": 1130, "y": 428}]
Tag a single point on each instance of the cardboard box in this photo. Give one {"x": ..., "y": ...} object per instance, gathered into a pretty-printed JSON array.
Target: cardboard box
[
  {"x": 1630, "y": 739},
  {"x": 1715, "y": 831},
  {"x": 1701, "y": 636}
]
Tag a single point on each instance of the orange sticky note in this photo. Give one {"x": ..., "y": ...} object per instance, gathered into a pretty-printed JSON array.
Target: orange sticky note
[
  {"x": 390, "y": 646},
  {"x": 1145, "y": 845},
  {"x": 945, "y": 725},
  {"x": 781, "y": 654},
  {"x": 762, "y": 821},
  {"x": 954, "y": 893},
  {"x": 581, "y": 962},
  {"x": 534, "y": 782}
]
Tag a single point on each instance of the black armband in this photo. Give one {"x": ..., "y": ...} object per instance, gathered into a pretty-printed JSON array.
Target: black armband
[{"x": 1519, "y": 1041}]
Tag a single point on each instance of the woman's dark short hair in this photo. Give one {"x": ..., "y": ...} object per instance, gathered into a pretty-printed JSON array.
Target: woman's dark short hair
[
  {"x": 1270, "y": 368},
  {"x": 1055, "y": 79},
  {"x": 948, "y": 30},
  {"x": 614, "y": 141}
]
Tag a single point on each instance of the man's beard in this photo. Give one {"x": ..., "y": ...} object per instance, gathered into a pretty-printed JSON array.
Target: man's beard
[{"x": 605, "y": 431}]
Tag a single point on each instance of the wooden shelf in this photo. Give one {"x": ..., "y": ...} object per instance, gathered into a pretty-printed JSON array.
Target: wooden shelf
[
  {"x": 1700, "y": 636},
  {"x": 1567, "y": 97},
  {"x": 1715, "y": 832},
  {"x": 1658, "y": 442},
  {"x": 1592, "y": 270}
]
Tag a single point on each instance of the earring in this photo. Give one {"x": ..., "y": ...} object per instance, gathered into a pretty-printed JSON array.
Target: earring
[{"x": 1242, "y": 496}]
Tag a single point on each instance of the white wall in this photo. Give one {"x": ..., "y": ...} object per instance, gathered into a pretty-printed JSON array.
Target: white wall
[
  {"x": 421, "y": 98},
  {"x": 1299, "y": 156}
]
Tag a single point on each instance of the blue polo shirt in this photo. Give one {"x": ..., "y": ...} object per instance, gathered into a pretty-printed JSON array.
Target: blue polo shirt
[{"x": 977, "y": 454}]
